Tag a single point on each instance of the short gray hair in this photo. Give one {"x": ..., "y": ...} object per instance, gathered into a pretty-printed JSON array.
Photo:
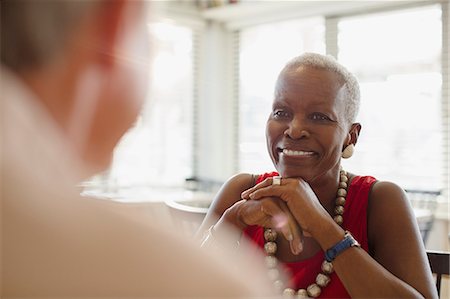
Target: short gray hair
[
  {"x": 329, "y": 63},
  {"x": 32, "y": 32}
]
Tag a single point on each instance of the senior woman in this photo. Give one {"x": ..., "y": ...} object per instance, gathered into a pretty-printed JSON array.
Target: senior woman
[{"x": 330, "y": 232}]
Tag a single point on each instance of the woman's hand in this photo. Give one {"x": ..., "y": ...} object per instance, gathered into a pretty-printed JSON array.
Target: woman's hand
[
  {"x": 268, "y": 212},
  {"x": 302, "y": 202}
]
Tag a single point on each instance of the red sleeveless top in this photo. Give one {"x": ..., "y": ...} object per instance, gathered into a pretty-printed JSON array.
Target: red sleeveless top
[{"x": 303, "y": 273}]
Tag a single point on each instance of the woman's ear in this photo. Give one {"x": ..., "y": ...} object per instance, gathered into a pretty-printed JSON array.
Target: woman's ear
[
  {"x": 352, "y": 138},
  {"x": 355, "y": 129}
]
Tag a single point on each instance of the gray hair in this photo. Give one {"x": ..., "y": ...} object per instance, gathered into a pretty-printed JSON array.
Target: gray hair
[
  {"x": 32, "y": 32},
  {"x": 329, "y": 63}
]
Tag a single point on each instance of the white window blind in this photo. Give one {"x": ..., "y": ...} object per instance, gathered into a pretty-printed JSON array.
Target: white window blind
[
  {"x": 159, "y": 148},
  {"x": 397, "y": 59}
]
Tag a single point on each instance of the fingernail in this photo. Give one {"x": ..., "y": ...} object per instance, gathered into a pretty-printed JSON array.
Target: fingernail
[
  {"x": 298, "y": 246},
  {"x": 290, "y": 237},
  {"x": 294, "y": 248}
]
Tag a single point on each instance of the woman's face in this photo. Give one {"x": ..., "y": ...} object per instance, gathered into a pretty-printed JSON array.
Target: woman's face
[{"x": 307, "y": 128}]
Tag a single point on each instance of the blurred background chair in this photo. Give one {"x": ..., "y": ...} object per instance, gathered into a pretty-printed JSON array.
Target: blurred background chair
[
  {"x": 187, "y": 214},
  {"x": 424, "y": 204},
  {"x": 440, "y": 264}
]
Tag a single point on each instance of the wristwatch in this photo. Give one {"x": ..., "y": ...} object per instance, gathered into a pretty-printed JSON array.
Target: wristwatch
[{"x": 337, "y": 249}]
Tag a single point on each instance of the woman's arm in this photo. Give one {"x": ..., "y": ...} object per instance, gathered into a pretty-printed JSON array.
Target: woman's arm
[
  {"x": 228, "y": 195},
  {"x": 394, "y": 238}
]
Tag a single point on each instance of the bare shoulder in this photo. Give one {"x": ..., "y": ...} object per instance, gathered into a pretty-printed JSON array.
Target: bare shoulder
[
  {"x": 391, "y": 220},
  {"x": 381, "y": 189},
  {"x": 229, "y": 194},
  {"x": 231, "y": 191},
  {"x": 394, "y": 238},
  {"x": 388, "y": 203}
]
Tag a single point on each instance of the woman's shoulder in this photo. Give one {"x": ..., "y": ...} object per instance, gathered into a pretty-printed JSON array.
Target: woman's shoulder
[
  {"x": 231, "y": 190},
  {"x": 247, "y": 180},
  {"x": 377, "y": 186},
  {"x": 241, "y": 180},
  {"x": 388, "y": 209},
  {"x": 380, "y": 193},
  {"x": 387, "y": 191}
]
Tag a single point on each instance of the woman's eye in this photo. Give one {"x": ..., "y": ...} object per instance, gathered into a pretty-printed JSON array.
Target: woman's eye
[
  {"x": 280, "y": 114},
  {"x": 319, "y": 116}
]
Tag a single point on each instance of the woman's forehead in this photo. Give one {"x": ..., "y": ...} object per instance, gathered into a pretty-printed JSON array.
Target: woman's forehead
[
  {"x": 308, "y": 81},
  {"x": 310, "y": 75}
]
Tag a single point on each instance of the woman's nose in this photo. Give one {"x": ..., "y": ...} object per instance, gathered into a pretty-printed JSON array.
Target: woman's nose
[{"x": 297, "y": 130}]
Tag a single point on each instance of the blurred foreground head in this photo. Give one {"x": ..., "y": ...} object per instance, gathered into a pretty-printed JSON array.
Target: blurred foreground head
[{"x": 86, "y": 63}]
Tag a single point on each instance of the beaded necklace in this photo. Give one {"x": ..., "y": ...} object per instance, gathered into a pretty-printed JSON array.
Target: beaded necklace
[{"x": 323, "y": 278}]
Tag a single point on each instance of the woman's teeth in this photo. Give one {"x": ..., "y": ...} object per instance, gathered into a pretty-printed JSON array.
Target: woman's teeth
[{"x": 296, "y": 153}]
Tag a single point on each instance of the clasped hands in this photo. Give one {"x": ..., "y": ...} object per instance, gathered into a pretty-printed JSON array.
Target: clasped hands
[{"x": 291, "y": 208}]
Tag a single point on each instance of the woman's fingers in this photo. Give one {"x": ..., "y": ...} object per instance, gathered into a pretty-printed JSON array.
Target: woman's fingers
[
  {"x": 267, "y": 182},
  {"x": 296, "y": 238},
  {"x": 263, "y": 192},
  {"x": 268, "y": 213},
  {"x": 279, "y": 217}
]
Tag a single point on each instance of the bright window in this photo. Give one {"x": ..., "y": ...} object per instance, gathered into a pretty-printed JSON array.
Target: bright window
[
  {"x": 396, "y": 57},
  {"x": 158, "y": 150}
]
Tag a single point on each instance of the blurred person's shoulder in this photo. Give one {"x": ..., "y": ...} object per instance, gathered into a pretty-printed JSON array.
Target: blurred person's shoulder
[{"x": 75, "y": 246}]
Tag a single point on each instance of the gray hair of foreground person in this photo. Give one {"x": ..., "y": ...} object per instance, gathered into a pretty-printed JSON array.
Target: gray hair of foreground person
[
  {"x": 33, "y": 32},
  {"x": 329, "y": 63},
  {"x": 88, "y": 63}
]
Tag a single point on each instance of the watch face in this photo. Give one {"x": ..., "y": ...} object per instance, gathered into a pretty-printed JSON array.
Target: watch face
[{"x": 354, "y": 243}]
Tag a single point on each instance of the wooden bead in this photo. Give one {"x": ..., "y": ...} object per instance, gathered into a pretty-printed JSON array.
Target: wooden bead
[
  {"x": 314, "y": 290},
  {"x": 270, "y": 235},
  {"x": 339, "y": 210},
  {"x": 322, "y": 280},
  {"x": 342, "y": 192},
  {"x": 302, "y": 293},
  {"x": 270, "y": 248},
  {"x": 338, "y": 219},
  {"x": 340, "y": 201},
  {"x": 327, "y": 267},
  {"x": 288, "y": 292}
]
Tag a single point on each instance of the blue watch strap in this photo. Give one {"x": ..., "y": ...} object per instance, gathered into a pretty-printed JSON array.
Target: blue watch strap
[{"x": 347, "y": 242}]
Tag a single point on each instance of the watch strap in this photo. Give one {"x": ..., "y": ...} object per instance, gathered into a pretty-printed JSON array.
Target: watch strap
[{"x": 341, "y": 246}]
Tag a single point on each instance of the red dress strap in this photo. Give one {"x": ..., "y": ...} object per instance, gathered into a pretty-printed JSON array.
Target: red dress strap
[
  {"x": 266, "y": 175},
  {"x": 303, "y": 273}
]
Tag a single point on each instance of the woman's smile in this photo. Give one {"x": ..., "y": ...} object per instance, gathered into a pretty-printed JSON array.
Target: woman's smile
[{"x": 296, "y": 155}]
